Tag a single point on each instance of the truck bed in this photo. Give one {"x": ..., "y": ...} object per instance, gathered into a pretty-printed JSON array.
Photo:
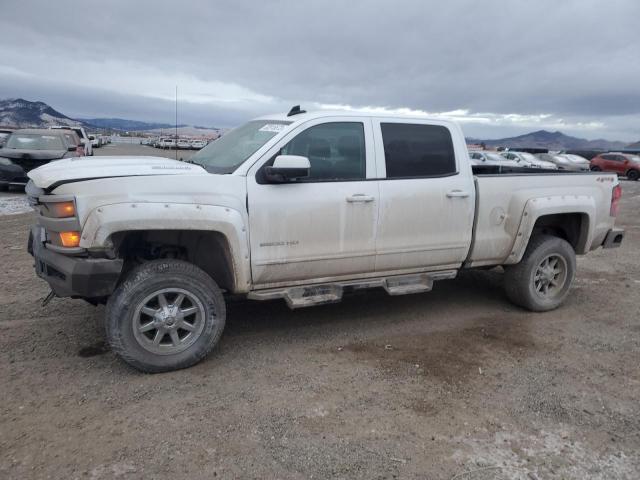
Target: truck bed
[{"x": 509, "y": 200}]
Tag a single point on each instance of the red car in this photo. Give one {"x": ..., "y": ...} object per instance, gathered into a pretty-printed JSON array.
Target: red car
[{"x": 620, "y": 163}]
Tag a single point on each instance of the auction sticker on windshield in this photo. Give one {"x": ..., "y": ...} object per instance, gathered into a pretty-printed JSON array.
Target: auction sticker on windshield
[{"x": 273, "y": 127}]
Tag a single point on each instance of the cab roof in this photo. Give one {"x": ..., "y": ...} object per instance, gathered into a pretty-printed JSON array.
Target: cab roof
[{"x": 303, "y": 117}]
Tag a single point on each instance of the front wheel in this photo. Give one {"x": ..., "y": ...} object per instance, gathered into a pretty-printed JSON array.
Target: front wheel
[
  {"x": 166, "y": 315},
  {"x": 541, "y": 281},
  {"x": 633, "y": 175},
  {"x": 596, "y": 169}
]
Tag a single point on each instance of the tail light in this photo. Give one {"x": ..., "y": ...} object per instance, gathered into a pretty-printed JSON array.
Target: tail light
[{"x": 616, "y": 195}]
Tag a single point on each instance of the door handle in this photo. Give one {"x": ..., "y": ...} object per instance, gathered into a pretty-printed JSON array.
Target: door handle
[
  {"x": 457, "y": 194},
  {"x": 359, "y": 197}
]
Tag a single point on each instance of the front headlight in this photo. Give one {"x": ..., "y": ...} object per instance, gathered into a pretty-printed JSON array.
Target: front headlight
[
  {"x": 65, "y": 209},
  {"x": 5, "y": 161}
]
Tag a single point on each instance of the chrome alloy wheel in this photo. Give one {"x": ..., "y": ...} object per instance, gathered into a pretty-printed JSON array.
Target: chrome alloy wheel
[
  {"x": 168, "y": 321},
  {"x": 550, "y": 276}
]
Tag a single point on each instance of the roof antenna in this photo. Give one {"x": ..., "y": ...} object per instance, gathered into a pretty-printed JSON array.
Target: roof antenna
[
  {"x": 176, "y": 140},
  {"x": 295, "y": 110}
]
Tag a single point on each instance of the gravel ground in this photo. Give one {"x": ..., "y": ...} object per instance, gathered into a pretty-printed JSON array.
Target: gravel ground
[{"x": 456, "y": 383}]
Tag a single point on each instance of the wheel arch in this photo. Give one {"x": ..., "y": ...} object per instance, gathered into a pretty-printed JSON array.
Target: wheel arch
[
  {"x": 572, "y": 227},
  {"x": 208, "y": 250},
  {"x": 569, "y": 217},
  {"x": 212, "y": 237}
]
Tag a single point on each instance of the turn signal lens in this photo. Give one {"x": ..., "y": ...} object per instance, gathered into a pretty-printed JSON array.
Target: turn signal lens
[
  {"x": 70, "y": 239},
  {"x": 63, "y": 209}
]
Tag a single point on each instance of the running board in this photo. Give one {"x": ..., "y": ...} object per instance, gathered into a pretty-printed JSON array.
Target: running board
[{"x": 321, "y": 294}]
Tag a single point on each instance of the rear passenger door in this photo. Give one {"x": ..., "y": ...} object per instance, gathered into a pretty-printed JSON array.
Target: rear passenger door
[
  {"x": 612, "y": 163},
  {"x": 426, "y": 198}
]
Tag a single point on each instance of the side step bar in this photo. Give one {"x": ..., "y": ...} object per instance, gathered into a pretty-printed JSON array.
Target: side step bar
[{"x": 320, "y": 294}]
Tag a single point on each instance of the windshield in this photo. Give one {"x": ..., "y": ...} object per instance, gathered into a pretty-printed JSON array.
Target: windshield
[
  {"x": 228, "y": 152},
  {"x": 495, "y": 157},
  {"x": 529, "y": 157},
  {"x": 35, "y": 142}
]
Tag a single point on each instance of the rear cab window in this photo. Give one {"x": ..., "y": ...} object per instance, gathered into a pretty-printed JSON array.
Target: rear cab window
[{"x": 414, "y": 150}]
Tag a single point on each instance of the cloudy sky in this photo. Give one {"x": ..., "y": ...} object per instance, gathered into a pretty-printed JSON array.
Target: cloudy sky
[{"x": 501, "y": 67}]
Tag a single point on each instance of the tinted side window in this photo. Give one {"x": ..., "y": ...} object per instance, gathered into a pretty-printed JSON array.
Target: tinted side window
[
  {"x": 413, "y": 150},
  {"x": 607, "y": 157},
  {"x": 336, "y": 151}
]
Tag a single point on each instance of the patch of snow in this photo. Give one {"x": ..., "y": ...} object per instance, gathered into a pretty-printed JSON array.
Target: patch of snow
[
  {"x": 14, "y": 204},
  {"x": 549, "y": 455}
]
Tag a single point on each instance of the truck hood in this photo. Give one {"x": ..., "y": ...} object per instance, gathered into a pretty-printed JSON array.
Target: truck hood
[{"x": 88, "y": 168}]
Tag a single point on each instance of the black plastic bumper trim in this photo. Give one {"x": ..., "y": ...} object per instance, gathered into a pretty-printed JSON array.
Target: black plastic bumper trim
[{"x": 73, "y": 276}]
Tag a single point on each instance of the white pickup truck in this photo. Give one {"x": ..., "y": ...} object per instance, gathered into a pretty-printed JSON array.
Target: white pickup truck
[{"x": 302, "y": 207}]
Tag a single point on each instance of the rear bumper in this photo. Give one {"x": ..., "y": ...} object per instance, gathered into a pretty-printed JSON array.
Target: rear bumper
[
  {"x": 613, "y": 238},
  {"x": 68, "y": 276}
]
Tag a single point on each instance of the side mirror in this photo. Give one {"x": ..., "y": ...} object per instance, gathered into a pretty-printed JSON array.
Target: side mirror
[{"x": 286, "y": 168}]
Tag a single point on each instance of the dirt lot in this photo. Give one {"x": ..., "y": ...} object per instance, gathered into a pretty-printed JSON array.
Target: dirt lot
[
  {"x": 137, "y": 149},
  {"x": 456, "y": 383}
]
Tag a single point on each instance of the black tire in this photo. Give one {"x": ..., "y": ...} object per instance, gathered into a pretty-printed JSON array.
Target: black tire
[
  {"x": 633, "y": 175},
  {"x": 596, "y": 169},
  {"x": 522, "y": 282},
  {"x": 126, "y": 307}
]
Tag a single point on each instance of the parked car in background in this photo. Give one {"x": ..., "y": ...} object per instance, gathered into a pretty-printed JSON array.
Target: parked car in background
[
  {"x": 588, "y": 154},
  {"x": 73, "y": 139},
  {"x": 198, "y": 144},
  {"x": 183, "y": 144},
  {"x": 167, "y": 143},
  {"x": 4, "y": 133},
  {"x": 616, "y": 162},
  {"x": 88, "y": 147},
  {"x": 565, "y": 162},
  {"x": 491, "y": 158},
  {"x": 27, "y": 149},
  {"x": 527, "y": 159},
  {"x": 578, "y": 160},
  {"x": 95, "y": 141}
]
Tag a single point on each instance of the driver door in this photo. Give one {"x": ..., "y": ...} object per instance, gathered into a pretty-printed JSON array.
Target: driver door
[{"x": 323, "y": 226}]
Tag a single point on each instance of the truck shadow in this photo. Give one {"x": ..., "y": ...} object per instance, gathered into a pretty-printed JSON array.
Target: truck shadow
[{"x": 473, "y": 289}]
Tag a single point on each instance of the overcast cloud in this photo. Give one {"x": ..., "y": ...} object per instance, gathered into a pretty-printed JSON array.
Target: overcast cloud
[{"x": 499, "y": 67}]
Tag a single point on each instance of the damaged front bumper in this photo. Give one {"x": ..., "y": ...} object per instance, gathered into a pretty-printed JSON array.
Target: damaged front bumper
[{"x": 73, "y": 276}]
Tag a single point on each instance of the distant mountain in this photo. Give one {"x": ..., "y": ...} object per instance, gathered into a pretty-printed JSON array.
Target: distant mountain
[
  {"x": 551, "y": 140},
  {"x": 634, "y": 145},
  {"x": 126, "y": 125},
  {"x": 20, "y": 113}
]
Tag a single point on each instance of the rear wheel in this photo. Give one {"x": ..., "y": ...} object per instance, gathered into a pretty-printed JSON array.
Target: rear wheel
[
  {"x": 633, "y": 175},
  {"x": 542, "y": 279},
  {"x": 166, "y": 315}
]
